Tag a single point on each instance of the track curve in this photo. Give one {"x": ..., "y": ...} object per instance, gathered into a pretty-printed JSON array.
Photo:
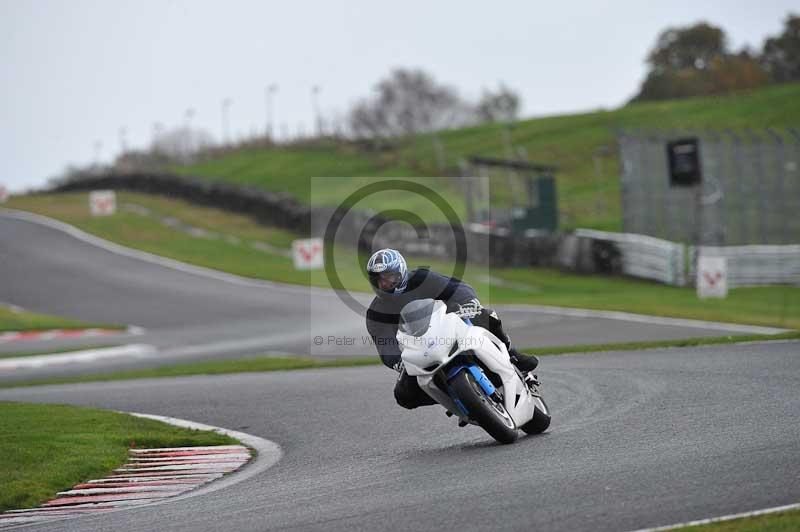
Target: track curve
[{"x": 195, "y": 313}]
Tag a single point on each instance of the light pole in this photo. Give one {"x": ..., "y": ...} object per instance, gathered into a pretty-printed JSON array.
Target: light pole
[
  {"x": 186, "y": 140},
  {"x": 268, "y": 92},
  {"x": 123, "y": 144},
  {"x": 158, "y": 130},
  {"x": 226, "y": 105},
  {"x": 315, "y": 90},
  {"x": 98, "y": 147},
  {"x": 187, "y": 117}
]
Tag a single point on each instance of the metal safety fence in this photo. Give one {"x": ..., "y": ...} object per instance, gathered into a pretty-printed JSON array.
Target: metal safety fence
[
  {"x": 674, "y": 263},
  {"x": 754, "y": 265},
  {"x": 645, "y": 256}
]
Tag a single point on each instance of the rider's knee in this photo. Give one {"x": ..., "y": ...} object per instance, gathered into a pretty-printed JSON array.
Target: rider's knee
[{"x": 403, "y": 398}]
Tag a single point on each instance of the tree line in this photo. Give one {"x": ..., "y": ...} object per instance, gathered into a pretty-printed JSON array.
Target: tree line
[
  {"x": 697, "y": 61},
  {"x": 410, "y": 101}
]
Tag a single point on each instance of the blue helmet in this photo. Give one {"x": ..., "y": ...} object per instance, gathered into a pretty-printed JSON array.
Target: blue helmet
[{"x": 388, "y": 273}]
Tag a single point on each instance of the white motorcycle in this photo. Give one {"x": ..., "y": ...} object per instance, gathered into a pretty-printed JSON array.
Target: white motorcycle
[{"x": 467, "y": 370}]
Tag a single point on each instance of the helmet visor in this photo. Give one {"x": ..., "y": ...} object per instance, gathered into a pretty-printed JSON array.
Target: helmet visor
[{"x": 385, "y": 281}]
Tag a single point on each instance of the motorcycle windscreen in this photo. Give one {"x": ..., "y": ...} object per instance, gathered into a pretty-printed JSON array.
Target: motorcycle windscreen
[{"x": 415, "y": 318}]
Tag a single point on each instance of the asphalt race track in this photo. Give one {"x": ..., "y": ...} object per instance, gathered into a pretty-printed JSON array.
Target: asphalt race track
[
  {"x": 638, "y": 439},
  {"x": 188, "y": 313}
]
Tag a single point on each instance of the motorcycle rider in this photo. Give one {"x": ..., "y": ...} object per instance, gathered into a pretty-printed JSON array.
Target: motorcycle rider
[{"x": 394, "y": 287}]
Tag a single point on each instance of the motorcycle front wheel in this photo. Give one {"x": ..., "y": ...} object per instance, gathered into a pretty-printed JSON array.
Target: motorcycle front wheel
[{"x": 486, "y": 411}]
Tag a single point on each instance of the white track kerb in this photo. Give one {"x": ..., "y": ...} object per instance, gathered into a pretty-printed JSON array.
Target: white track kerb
[
  {"x": 268, "y": 454},
  {"x": 81, "y": 356},
  {"x": 644, "y": 318}
]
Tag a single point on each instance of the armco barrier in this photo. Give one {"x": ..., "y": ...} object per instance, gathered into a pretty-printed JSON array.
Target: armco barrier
[
  {"x": 661, "y": 260},
  {"x": 645, "y": 256},
  {"x": 755, "y": 265}
]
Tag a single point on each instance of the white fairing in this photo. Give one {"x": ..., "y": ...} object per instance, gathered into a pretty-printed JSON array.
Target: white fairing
[{"x": 424, "y": 355}]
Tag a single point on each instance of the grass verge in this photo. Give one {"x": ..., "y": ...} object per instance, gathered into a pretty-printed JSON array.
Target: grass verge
[
  {"x": 215, "y": 367},
  {"x": 45, "y": 449},
  {"x": 788, "y": 521},
  {"x": 21, "y": 320},
  {"x": 777, "y": 306},
  {"x": 269, "y": 363}
]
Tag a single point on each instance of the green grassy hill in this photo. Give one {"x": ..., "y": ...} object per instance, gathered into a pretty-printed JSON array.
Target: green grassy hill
[{"x": 568, "y": 141}]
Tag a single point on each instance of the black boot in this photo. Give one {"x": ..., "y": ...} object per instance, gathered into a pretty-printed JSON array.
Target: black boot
[{"x": 524, "y": 363}]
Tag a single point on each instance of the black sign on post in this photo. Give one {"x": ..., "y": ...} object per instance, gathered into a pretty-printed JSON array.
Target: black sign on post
[{"x": 684, "y": 162}]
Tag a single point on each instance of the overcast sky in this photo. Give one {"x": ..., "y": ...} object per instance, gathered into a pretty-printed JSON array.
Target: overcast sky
[{"x": 73, "y": 72}]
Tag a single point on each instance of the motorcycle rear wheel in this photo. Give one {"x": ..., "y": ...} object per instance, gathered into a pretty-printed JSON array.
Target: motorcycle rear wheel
[{"x": 484, "y": 410}]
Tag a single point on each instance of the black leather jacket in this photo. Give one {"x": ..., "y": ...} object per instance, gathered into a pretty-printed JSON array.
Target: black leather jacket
[{"x": 383, "y": 314}]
